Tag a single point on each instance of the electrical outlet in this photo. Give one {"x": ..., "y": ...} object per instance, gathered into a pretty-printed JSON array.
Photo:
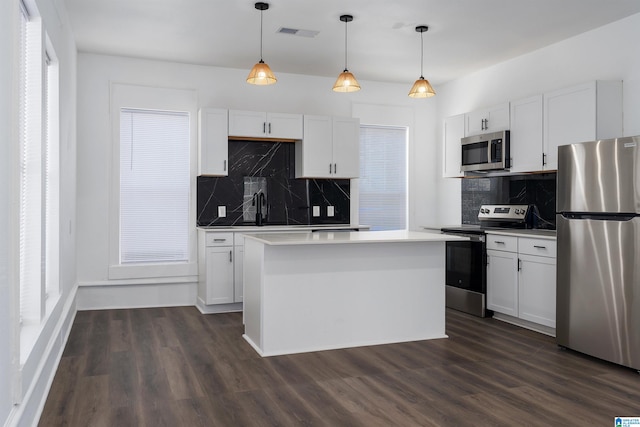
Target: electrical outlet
[
  {"x": 316, "y": 211},
  {"x": 331, "y": 211},
  {"x": 222, "y": 211}
]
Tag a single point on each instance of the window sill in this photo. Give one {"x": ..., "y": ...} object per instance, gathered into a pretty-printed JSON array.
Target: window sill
[{"x": 152, "y": 271}]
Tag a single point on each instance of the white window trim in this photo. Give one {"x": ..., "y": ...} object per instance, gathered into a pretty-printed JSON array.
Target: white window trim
[{"x": 152, "y": 98}]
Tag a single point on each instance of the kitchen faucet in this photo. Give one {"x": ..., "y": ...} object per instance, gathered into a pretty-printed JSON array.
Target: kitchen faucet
[{"x": 259, "y": 201}]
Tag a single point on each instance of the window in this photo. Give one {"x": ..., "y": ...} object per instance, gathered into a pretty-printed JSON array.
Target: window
[
  {"x": 39, "y": 177},
  {"x": 152, "y": 208},
  {"x": 383, "y": 177},
  {"x": 154, "y": 186}
]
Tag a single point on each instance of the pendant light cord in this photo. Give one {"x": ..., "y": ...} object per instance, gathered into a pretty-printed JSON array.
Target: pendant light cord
[
  {"x": 421, "y": 54},
  {"x": 261, "y": 35},
  {"x": 345, "y": 45}
]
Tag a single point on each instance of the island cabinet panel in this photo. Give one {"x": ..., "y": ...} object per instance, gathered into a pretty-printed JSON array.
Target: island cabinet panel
[{"x": 307, "y": 293}]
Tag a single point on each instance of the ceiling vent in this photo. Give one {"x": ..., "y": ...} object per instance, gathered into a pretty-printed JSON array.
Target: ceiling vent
[{"x": 298, "y": 32}]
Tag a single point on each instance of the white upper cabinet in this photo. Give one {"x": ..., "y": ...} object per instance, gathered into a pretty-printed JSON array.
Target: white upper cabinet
[
  {"x": 526, "y": 134},
  {"x": 213, "y": 142},
  {"x": 330, "y": 148},
  {"x": 256, "y": 124},
  {"x": 453, "y": 132},
  {"x": 346, "y": 147},
  {"x": 487, "y": 120},
  {"x": 585, "y": 112}
]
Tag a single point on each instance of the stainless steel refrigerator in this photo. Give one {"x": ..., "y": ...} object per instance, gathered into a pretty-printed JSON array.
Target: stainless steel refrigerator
[{"x": 598, "y": 264}]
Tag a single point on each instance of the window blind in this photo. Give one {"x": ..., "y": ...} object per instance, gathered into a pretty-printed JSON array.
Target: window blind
[
  {"x": 52, "y": 177},
  {"x": 154, "y": 186},
  {"x": 31, "y": 202},
  {"x": 383, "y": 177}
]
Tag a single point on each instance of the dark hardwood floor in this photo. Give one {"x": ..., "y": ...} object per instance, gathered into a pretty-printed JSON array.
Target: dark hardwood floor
[{"x": 177, "y": 367}]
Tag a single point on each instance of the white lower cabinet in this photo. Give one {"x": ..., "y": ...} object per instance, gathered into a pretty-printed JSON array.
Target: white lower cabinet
[
  {"x": 219, "y": 275},
  {"x": 537, "y": 290},
  {"x": 502, "y": 282},
  {"x": 521, "y": 278},
  {"x": 219, "y": 269}
]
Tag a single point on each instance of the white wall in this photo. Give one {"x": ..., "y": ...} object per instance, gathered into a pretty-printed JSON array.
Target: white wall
[
  {"x": 611, "y": 52},
  {"x": 6, "y": 178},
  {"x": 35, "y": 377},
  {"x": 216, "y": 87}
]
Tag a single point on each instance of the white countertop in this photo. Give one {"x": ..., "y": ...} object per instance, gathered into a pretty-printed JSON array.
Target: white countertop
[
  {"x": 536, "y": 233},
  {"x": 276, "y": 228},
  {"x": 350, "y": 237}
]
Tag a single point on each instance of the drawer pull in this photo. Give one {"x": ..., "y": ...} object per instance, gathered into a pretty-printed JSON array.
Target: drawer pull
[
  {"x": 539, "y": 247},
  {"x": 499, "y": 242},
  {"x": 219, "y": 240}
]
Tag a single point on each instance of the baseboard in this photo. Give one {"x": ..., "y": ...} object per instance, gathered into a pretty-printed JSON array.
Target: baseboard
[
  {"x": 218, "y": 308},
  {"x": 28, "y": 412},
  {"x": 136, "y": 295},
  {"x": 526, "y": 324}
]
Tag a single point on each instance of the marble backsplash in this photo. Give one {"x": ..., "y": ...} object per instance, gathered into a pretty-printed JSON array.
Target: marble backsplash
[
  {"x": 534, "y": 189},
  {"x": 268, "y": 168}
]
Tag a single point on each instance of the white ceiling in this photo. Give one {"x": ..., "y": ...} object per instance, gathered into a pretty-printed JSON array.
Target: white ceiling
[{"x": 463, "y": 36}]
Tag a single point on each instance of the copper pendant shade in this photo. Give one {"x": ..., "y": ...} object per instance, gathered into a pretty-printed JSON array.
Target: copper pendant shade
[
  {"x": 261, "y": 74},
  {"x": 346, "y": 81},
  {"x": 421, "y": 88}
]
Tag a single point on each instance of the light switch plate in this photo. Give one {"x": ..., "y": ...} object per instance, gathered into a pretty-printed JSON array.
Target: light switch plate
[
  {"x": 316, "y": 211},
  {"x": 222, "y": 211},
  {"x": 331, "y": 211}
]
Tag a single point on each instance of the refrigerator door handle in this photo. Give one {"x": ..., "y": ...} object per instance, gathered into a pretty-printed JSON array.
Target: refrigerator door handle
[{"x": 599, "y": 216}]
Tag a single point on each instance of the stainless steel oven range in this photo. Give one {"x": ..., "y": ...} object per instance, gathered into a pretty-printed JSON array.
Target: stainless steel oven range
[{"x": 466, "y": 261}]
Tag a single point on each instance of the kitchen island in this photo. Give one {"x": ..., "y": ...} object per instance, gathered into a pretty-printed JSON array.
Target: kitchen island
[{"x": 327, "y": 290}]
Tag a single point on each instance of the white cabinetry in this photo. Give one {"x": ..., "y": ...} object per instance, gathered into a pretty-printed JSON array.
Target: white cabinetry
[
  {"x": 212, "y": 142},
  {"x": 526, "y": 134},
  {"x": 216, "y": 282},
  {"x": 256, "y": 124},
  {"x": 330, "y": 148},
  {"x": 521, "y": 279},
  {"x": 453, "y": 132},
  {"x": 502, "y": 274},
  {"x": 585, "y": 112},
  {"x": 487, "y": 120},
  {"x": 238, "y": 265}
]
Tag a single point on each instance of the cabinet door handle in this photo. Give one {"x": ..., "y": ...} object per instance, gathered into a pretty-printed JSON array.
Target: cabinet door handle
[
  {"x": 230, "y": 256},
  {"x": 329, "y": 168},
  {"x": 519, "y": 264},
  {"x": 269, "y": 128},
  {"x": 544, "y": 159},
  {"x": 539, "y": 247},
  {"x": 224, "y": 165},
  {"x": 335, "y": 168},
  {"x": 264, "y": 127}
]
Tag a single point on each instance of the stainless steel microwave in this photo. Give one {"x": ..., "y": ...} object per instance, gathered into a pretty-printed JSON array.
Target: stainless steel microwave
[{"x": 489, "y": 151}]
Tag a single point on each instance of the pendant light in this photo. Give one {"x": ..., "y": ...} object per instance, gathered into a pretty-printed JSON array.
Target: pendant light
[
  {"x": 421, "y": 88},
  {"x": 346, "y": 81},
  {"x": 261, "y": 74}
]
